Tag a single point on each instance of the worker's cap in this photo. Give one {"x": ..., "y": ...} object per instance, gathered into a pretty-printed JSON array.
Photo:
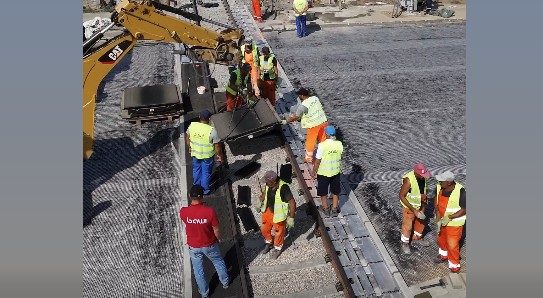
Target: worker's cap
[
  {"x": 447, "y": 176},
  {"x": 248, "y": 40},
  {"x": 246, "y": 66},
  {"x": 421, "y": 170},
  {"x": 196, "y": 191},
  {"x": 205, "y": 114},
  {"x": 302, "y": 91},
  {"x": 269, "y": 176},
  {"x": 330, "y": 130}
]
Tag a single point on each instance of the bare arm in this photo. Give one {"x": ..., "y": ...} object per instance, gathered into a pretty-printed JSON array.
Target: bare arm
[
  {"x": 316, "y": 167},
  {"x": 292, "y": 207},
  {"x": 403, "y": 192},
  {"x": 187, "y": 139},
  {"x": 218, "y": 151},
  {"x": 217, "y": 233}
]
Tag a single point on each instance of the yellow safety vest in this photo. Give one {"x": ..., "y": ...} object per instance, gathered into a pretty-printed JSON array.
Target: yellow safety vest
[
  {"x": 413, "y": 197},
  {"x": 315, "y": 114},
  {"x": 453, "y": 205},
  {"x": 280, "y": 208},
  {"x": 255, "y": 54},
  {"x": 201, "y": 147},
  {"x": 266, "y": 67},
  {"x": 300, "y": 5},
  {"x": 238, "y": 82},
  {"x": 331, "y": 158}
]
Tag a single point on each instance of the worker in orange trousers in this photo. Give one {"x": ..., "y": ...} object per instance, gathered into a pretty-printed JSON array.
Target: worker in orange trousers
[
  {"x": 257, "y": 11},
  {"x": 268, "y": 74}
]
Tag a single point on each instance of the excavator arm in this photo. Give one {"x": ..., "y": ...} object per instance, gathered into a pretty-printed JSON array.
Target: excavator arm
[{"x": 147, "y": 20}]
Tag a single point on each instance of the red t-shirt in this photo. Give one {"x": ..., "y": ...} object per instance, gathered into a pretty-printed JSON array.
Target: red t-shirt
[{"x": 199, "y": 221}]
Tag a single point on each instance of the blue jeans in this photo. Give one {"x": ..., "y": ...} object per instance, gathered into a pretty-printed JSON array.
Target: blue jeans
[
  {"x": 300, "y": 26},
  {"x": 201, "y": 172},
  {"x": 213, "y": 253}
]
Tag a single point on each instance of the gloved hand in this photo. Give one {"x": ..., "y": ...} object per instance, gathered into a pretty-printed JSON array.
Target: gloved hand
[
  {"x": 445, "y": 220},
  {"x": 420, "y": 215},
  {"x": 290, "y": 223},
  {"x": 284, "y": 122}
]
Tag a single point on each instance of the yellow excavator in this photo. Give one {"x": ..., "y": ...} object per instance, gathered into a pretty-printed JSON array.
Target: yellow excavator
[{"x": 148, "y": 20}]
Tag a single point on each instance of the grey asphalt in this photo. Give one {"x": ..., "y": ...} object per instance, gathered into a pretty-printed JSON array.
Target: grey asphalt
[{"x": 397, "y": 94}]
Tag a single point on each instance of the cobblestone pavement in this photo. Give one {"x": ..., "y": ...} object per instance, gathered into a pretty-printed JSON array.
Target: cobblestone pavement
[{"x": 397, "y": 94}]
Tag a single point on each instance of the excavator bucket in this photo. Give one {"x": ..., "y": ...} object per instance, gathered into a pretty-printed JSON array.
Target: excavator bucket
[{"x": 246, "y": 122}]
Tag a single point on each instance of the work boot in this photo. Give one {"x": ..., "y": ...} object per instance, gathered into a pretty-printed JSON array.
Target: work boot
[
  {"x": 455, "y": 270},
  {"x": 275, "y": 254},
  {"x": 422, "y": 242},
  {"x": 325, "y": 211},
  {"x": 405, "y": 248},
  {"x": 267, "y": 248},
  {"x": 439, "y": 259},
  {"x": 335, "y": 212}
]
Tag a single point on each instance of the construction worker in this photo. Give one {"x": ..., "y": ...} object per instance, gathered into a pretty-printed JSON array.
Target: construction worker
[
  {"x": 268, "y": 74},
  {"x": 313, "y": 118},
  {"x": 450, "y": 211},
  {"x": 300, "y": 8},
  {"x": 278, "y": 208},
  {"x": 203, "y": 236},
  {"x": 413, "y": 197},
  {"x": 238, "y": 87},
  {"x": 257, "y": 11},
  {"x": 250, "y": 55},
  {"x": 201, "y": 139},
  {"x": 327, "y": 170}
]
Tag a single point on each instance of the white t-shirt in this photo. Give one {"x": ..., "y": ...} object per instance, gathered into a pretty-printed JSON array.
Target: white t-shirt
[{"x": 319, "y": 149}]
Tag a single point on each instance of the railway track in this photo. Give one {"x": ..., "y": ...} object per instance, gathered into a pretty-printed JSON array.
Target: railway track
[{"x": 346, "y": 246}]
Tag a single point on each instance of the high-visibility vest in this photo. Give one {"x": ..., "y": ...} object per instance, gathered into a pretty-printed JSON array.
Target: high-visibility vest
[
  {"x": 413, "y": 197},
  {"x": 315, "y": 114},
  {"x": 255, "y": 53},
  {"x": 331, "y": 158},
  {"x": 280, "y": 208},
  {"x": 300, "y": 5},
  {"x": 200, "y": 146},
  {"x": 266, "y": 67},
  {"x": 238, "y": 82},
  {"x": 453, "y": 205}
]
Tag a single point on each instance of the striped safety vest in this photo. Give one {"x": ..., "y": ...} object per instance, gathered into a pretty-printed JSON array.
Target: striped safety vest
[
  {"x": 300, "y": 5},
  {"x": 200, "y": 146},
  {"x": 238, "y": 82},
  {"x": 453, "y": 205},
  {"x": 280, "y": 208},
  {"x": 413, "y": 197},
  {"x": 255, "y": 54},
  {"x": 266, "y": 67},
  {"x": 315, "y": 114},
  {"x": 331, "y": 158}
]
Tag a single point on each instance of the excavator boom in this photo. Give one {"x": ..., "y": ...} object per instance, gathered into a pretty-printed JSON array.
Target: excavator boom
[{"x": 147, "y": 20}]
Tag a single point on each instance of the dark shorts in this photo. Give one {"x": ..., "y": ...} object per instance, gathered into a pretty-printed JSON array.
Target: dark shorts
[{"x": 323, "y": 182}]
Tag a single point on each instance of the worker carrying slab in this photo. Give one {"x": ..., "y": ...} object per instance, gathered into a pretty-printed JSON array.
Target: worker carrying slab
[
  {"x": 250, "y": 55},
  {"x": 413, "y": 197},
  {"x": 313, "y": 119},
  {"x": 450, "y": 211},
  {"x": 328, "y": 172},
  {"x": 203, "y": 143},
  {"x": 238, "y": 87},
  {"x": 278, "y": 208}
]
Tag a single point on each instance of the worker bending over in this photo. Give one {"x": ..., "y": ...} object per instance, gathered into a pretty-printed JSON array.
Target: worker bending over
[
  {"x": 313, "y": 119},
  {"x": 278, "y": 208},
  {"x": 203, "y": 144},
  {"x": 450, "y": 210},
  {"x": 327, "y": 169},
  {"x": 413, "y": 197},
  {"x": 238, "y": 87}
]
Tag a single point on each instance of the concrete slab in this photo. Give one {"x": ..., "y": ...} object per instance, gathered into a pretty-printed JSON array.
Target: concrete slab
[{"x": 456, "y": 281}]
